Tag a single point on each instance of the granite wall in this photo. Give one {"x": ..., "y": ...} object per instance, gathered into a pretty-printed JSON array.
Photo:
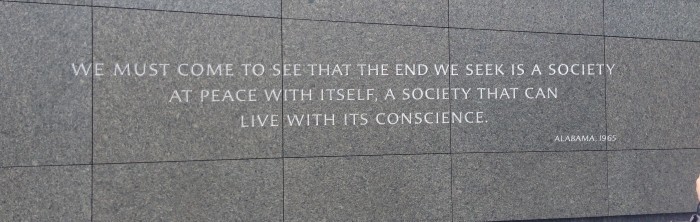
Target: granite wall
[{"x": 79, "y": 148}]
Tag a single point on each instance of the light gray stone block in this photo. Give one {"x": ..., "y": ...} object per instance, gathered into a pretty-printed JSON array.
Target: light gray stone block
[
  {"x": 45, "y": 108},
  {"x": 134, "y": 120},
  {"x": 653, "y": 19},
  {"x": 267, "y": 8},
  {"x": 240, "y": 190},
  {"x": 653, "y": 99},
  {"x": 527, "y": 124},
  {"x": 68, "y": 2},
  {"x": 379, "y": 188},
  {"x": 518, "y": 186},
  {"x": 406, "y": 12},
  {"x": 560, "y": 16},
  {"x": 653, "y": 181},
  {"x": 56, "y": 193}
]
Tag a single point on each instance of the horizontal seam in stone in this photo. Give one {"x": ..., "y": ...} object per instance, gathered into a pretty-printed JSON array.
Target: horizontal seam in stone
[
  {"x": 345, "y": 156},
  {"x": 368, "y": 23}
]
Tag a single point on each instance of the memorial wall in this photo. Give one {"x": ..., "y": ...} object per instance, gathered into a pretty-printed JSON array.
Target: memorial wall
[{"x": 370, "y": 110}]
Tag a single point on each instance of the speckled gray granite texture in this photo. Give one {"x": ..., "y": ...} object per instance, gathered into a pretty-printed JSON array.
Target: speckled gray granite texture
[
  {"x": 503, "y": 186},
  {"x": 134, "y": 120},
  {"x": 532, "y": 124},
  {"x": 59, "y": 193},
  {"x": 78, "y": 148},
  {"x": 558, "y": 16},
  {"x": 45, "y": 109},
  {"x": 653, "y": 19},
  {"x": 243, "y": 190},
  {"x": 64, "y": 2},
  {"x": 331, "y": 43},
  {"x": 652, "y": 181},
  {"x": 370, "y": 188},
  {"x": 405, "y": 12},
  {"x": 266, "y": 8},
  {"x": 653, "y": 102}
]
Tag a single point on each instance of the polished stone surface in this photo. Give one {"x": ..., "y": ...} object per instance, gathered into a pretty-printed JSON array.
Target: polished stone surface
[
  {"x": 267, "y": 8},
  {"x": 406, "y": 12},
  {"x": 161, "y": 160},
  {"x": 45, "y": 108},
  {"x": 653, "y": 99},
  {"x": 558, "y": 16},
  {"x": 249, "y": 190},
  {"x": 652, "y": 181},
  {"x": 316, "y": 42},
  {"x": 60, "y": 193},
  {"x": 379, "y": 188},
  {"x": 515, "y": 122},
  {"x": 653, "y": 19},
  {"x": 134, "y": 120},
  {"x": 67, "y": 2},
  {"x": 673, "y": 217},
  {"x": 518, "y": 186}
]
